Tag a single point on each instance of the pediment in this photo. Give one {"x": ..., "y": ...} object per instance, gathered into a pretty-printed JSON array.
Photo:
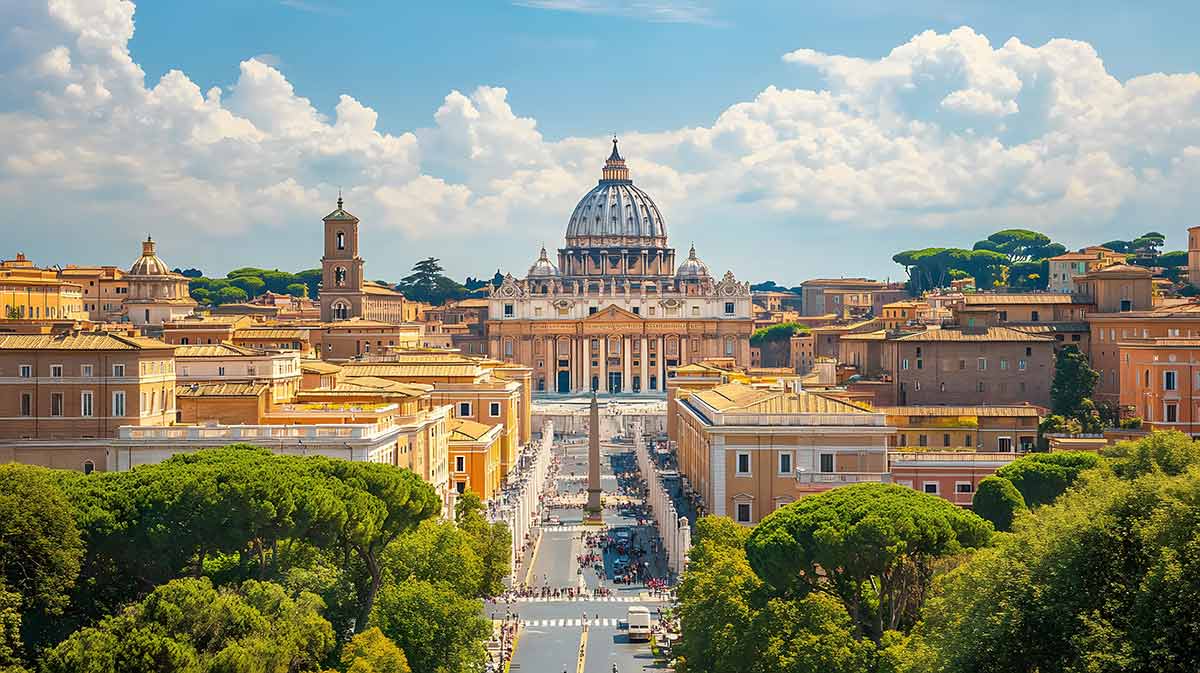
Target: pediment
[{"x": 612, "y": 313}]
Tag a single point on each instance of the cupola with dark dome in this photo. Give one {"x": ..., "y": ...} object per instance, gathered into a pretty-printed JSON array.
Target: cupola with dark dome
[{"x": 616, "y": 230}]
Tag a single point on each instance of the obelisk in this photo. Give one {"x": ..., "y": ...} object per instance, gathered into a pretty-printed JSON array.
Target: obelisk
[{"x": 593, "y": 509}]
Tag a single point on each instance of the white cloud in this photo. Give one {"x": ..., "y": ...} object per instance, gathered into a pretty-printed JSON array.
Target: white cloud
[
  {"x": 944, "y": 131},
  {"x": 654, "y": 11}
]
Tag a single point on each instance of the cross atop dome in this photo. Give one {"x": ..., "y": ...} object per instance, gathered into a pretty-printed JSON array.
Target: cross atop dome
[{"x": 614, "y": 168}]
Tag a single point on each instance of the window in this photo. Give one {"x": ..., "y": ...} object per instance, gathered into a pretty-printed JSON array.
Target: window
[
  {"x": 743, "y": 512},
  {"x": 26, "y": 404},
  {"x": 88, "y": 467},
  {"x": 637, "y": 310},
  {"x": 1003, "y": 316},
  {"x": 1004, "y": 444},
  {"x": 1021, "y": 364},
  {"x": 964, "y": 487},
  {"x": 221, "y": 370},
  {"x": 1171, "y": 414},
  {"x": 743, "y": 463},
  {"x": 56, "y": 371},
  {"x": 1169, "y": 381},
  {"x": 591, "y": 310},
  {"x": 922, "y": 440},
  {"x": 785, "y": 462},
  {"x": 962, "y": 364},
  {"x": 1003, "y": 364},
  {"x": 56, "y": 404},
  {"x": 85, "y": 403},
  {"x": 826, "y": 462},
  {"x": 946, "y": 439},
  {"x": 464, "y": 409},
  {"x": 930, "y": 487},
  {"x": 1033, "y": 316},
  {"x": 119, "y": 371},
  {"x": 494, "y": 410},
  {"x": 728, "y": 308},
  {"x": 460, "y": 463},
  {"x": 508, "y": 348},
  {"x": 341, "y": 240},
  {"x": 1028, "y": 352},
  {"x": 904, "y": 363},
  {"x": 967, "y": 439},
  {"x": 729, "y": 346},
  {"x": 920, "y": 363},
  {"x": 981, "y": 364},
  {"x": 118, "y": 403},
  {"x": 979, "y": 386},
  {"x": 26, "y": 371},
  {"x": 508, "y": 310},
  {"x": 85, "y": 371}
]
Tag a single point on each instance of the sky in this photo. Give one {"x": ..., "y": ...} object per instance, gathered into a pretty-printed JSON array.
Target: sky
[{"x": 786, "y": 140}]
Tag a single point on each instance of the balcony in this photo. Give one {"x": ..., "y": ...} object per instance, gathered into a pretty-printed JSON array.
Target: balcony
[{"x": 841, "y": 478}]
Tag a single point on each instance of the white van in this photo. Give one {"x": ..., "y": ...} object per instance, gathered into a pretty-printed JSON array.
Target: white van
[{"x": 639, "y": 623}]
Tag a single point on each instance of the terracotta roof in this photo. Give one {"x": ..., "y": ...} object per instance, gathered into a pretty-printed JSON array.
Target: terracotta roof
[
  {"x": 372, "y": 288},
  {"x": 700, "y": 368},
  {"x": 471, "y": 303},
  {"x": 464, "y": 430},
  {"x": 402, "y": 370},
  {"x": 319, "y": 367},
  {"x": 738, "y": 397},
  {"x": 990, "y": 334},
  {"x": 858, "y": 282},
  {"x": 221, "y": 390},
  {"x": 1161, "y": 342},
  {"x": 224, "y": 350},
  {"x": 1120, "y": 270},
  {"x": 1051, "y": 327},
  {"x": 1019, "y": 410},
  {"x": 80, "y": 341},
  {"x": 271, "y": 333},
  {"x": 1023, "y": 298},
  {"x": 371, "y": 383},
  {"x": 879, "y": 335}
]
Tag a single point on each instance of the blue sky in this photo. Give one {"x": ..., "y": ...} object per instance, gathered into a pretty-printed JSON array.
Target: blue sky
[{"x": 781, "y": 137}]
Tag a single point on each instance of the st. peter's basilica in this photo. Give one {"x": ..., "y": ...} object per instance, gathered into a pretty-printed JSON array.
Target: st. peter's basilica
[{"x": 615, "y": 313}]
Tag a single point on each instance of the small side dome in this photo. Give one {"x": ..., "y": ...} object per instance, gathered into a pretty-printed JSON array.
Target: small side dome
[
  {"x": 149, "y": 264},
  {"x": 543, "y": 267},
  {"x": 692, "y": 267}
]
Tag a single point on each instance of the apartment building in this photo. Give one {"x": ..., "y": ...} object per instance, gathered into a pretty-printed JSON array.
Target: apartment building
[
  {"x": 227, "y": 363},
  {"x": 83, "y": 384}
]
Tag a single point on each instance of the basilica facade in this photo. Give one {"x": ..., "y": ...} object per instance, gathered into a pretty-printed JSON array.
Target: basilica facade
[{"x": 616, "y": 313}]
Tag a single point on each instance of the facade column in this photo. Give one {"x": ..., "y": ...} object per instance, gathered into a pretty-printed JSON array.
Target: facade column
[
  {"x": 683, "y": 351},
  {"x": 661, "y": 367},
  {"x": 587, "y": 364},
  {"x": 627, "y": 361},
  {"x": 645, "y": 361},
  {"x": 604, "y": 363}
]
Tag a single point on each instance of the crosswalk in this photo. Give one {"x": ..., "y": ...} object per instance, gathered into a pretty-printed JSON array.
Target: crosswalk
[
  {"x": 576, "y": 528},
  {"x": 565, "y": 623},
  {"x": 580, "y": 599}
]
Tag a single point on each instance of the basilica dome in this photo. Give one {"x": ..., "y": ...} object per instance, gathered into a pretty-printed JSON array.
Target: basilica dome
[
  {"x": 543, "y": 267},
  {"x": 615, "y": 208},
  {"x": 692, "y": 267}
]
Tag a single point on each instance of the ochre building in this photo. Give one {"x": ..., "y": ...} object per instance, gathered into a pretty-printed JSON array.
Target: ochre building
[{"x": 616, "y": 312}]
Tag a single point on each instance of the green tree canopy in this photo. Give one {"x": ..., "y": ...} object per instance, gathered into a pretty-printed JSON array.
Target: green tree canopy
[
  {"x": 40, "y": 547},
  {"x": 1042, "y": 477},
  {"x": 1169, "y": 452},
  {"x": 1074, "y": 381},
  {"x": 871, "y": 545},
  {"x": 251, "y": 285},
  {"x": 438, "y": 630},
  {"x": 781, "y": 332},
  {"x": 428, "y": 284},
  {"x": 229, "y": 295},
  {"x": 188, "y": 625},
  {"x": 372, "y": 652},
  {"x": 998, "y": 501}
]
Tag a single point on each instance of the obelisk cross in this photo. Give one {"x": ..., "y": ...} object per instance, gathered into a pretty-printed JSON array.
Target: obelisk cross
[{"x": 593, "y": 490}]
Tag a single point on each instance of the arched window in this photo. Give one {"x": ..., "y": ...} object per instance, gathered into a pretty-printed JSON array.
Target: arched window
[
  {"x": 339, "y": 276},
  {"x": 341, "y": 240},
  {"x": 88, "y": 467}
]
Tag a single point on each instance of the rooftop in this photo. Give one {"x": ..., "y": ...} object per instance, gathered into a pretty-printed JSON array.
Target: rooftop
[
  {"x": 80, "y": 341},
  {"x": 1015, "y": 410},
  {"x": 221, "y": 390},
  {"x": 989, "y": 334},
  {"x": 737, "y": 397},
  {"x": 319, "y": 367},
  {"x": 223, "y": 350},
  {"x": 987, "y": 298},
  {"x": 464, "y": 430}
]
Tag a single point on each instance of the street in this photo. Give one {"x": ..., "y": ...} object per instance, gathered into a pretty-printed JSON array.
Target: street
[{"x": 580, "y": 580}]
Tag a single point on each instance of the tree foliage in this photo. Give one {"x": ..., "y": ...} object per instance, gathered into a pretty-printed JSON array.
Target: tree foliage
[
  {"x": 428, "y": 284},
  {"x": 871, "y": 545},
  {"x": 998, "y": 501},
  {"x": 780, "y": 332},
  {"x": 1168, "y": 452},
  {"x": 1042, "y": 477},
  {"x": 40, "y": 546},
  {"x": 439, "y": 630}
]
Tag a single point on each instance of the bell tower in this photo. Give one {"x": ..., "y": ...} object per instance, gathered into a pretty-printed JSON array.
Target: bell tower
[{"x": 341, "y": 267}]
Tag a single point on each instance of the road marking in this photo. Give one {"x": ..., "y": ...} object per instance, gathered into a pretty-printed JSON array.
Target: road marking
[
  {"x": 568, "y": 623},
  {"x": 582, "y": 651}
]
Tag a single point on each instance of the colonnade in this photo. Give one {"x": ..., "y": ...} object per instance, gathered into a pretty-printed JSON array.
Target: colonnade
[
  {"x": 611, "y": 347},
  {"x": 518, "y": 503},
  {"x": 675, "y": 530}
]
